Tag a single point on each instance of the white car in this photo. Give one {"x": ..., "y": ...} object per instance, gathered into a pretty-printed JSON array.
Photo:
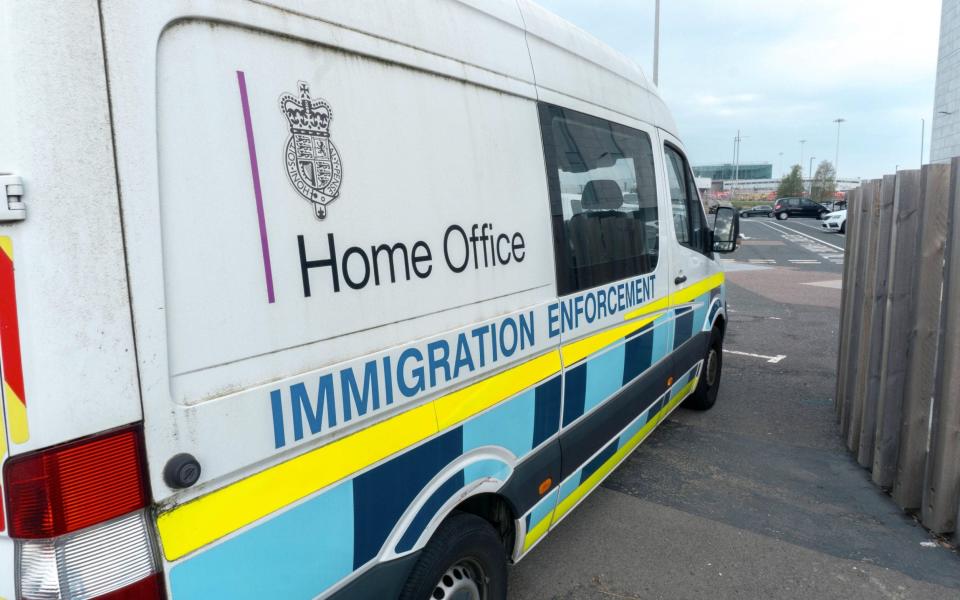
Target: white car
[{"x": 835, "y": 221}]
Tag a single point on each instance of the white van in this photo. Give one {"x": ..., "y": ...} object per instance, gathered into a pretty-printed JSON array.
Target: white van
[{"x": 329, "y": 299}]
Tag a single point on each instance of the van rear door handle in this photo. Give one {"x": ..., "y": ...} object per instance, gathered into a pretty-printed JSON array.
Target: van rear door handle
[{"x": 679, "y": 279}]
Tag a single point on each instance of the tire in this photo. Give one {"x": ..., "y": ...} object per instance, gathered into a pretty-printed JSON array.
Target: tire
[
  {"x": 465, "y": 555},
  {"x": 782, "y": 216},
  {"x": 705, "y": 396},
  {"x": 843, "y": 227},
  {"x": 745, "y": 215}
]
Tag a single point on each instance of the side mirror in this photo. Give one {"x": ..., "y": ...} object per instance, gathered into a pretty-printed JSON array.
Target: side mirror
[{"x": 726, "y": 229}]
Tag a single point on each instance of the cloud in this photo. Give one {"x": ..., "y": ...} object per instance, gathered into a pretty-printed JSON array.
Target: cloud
[{"x": 781, "y": 71}]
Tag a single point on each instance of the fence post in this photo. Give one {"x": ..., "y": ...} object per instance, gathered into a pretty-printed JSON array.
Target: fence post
[
  {"x": 921, "y": 346},
  {"x": 897, "y": 315},
  {"x": 846, "y": 300},
  {"x": 942, "y": 481},
  {"x": 867, "y": 253},
  {"x": 877, "y": 299}
]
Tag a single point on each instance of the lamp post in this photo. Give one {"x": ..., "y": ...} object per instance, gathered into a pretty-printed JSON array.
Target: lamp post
[
  {"x": 836, "y": 157},
  {"x": 923, "y": 134},
  {"x": 802, "y": 142},
  {"x": 780, "y": 163},
  {"x": 736, "y": 162},
  {"x": 656, "y": 44},
  {"x": 810, "y": 173}
]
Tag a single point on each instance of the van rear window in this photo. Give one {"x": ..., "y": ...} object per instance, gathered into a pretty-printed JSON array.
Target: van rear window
[{"x": 603, "y": 199}]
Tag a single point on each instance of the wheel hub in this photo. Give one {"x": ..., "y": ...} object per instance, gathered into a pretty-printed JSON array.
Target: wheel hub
[
  {"x": 712, "y": 367},
  {"x": 462, "y": 581}
]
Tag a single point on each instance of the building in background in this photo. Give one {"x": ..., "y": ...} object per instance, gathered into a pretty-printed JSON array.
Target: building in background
[
  {"x": 761, "y": 189},
  {"x": 945, "y": 131},
  {"x": 732, "y": 171}
]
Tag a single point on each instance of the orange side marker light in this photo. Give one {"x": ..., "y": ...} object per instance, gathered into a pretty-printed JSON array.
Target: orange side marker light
[
  {"x": 670, "y": 380},
  {"x": 545, "y": 485}
]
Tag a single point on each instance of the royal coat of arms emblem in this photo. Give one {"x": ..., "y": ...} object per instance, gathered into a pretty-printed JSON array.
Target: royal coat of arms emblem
[{"x": 311, "y": 160}]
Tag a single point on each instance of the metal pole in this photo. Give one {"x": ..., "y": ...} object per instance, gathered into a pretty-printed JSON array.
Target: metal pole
[
  {"x": 656, "y": 44},
  {"x": 736, "y": 165},
  {"x": 836, "y": 157},
  {"x": 923, "y": 135},
  {"x": 810, "y": 173},
  {"x": 802, "y": 142}
]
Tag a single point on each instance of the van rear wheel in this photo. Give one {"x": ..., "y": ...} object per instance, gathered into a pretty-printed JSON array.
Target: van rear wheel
[
  {"x": 782, "y": 216},
  {"x": 705, "y": 395},
  {"x": 464, "y": 560}
]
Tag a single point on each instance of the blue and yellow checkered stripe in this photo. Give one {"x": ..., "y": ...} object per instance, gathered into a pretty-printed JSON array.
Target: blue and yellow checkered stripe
[
  {"x": 343, "y": 528},
  {"x": 572, "y": 490},
  {"x": 591, "y": 382}
]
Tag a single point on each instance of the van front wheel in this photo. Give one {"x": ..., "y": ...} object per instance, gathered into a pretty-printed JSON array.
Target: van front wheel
[
  {"x": 464, "y": 560},
  {"x": 705, "y": 395}
]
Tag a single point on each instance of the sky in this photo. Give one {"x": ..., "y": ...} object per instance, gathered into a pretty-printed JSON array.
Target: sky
[{"x": 781, "y": 71}]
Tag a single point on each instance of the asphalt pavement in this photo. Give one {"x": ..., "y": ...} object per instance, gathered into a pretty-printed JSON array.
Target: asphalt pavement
[{"x": 757, "y": 498}]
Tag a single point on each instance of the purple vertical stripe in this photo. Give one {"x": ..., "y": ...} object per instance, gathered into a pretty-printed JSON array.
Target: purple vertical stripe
[{"x": 255, "y": 172}]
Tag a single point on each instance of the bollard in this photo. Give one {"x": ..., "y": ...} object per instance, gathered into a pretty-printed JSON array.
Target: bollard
[
  {"x": 876, "y": 297},
  {"x": 865, "y": 285},
  {"x": 921, "y": 345},
  {"x": 941, "y": 490},
  {"x": 898, "y": 313},
  {"x": 846, "y": 298}
]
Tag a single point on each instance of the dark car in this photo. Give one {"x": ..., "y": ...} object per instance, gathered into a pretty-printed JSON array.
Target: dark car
[
  {"x": 757, "y": 211},
  {"x": 835, "y": 206},
  {"x": 798, "y": 207}
]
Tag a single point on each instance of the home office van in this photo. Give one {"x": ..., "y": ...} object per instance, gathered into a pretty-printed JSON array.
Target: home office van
[{"x": 329, "y": 299}]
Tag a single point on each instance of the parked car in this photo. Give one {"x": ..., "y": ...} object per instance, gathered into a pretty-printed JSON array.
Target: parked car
[
  {"x": 798, "y": 207},
  {"x": 836, "y": 206},
  {"x": 764, "y": 210},
  {"x": 835, "y": 221}
]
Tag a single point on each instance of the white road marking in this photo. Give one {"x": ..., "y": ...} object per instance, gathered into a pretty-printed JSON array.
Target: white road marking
[
  {"x": 805, "y": 261},
  {"x": 765, "y": 261},
  {"x": 770, "y": 359},
  {"x": 833, "y": 283},
  {"x": 826, "y": 250},
  {"x": 819, "y": 241},
  {"x": 742, "y": 266}
]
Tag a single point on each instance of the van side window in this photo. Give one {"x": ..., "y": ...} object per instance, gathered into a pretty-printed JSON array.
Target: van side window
[
  {"x": 688, "y": 216},
  {"x": 603, "y": 199}
]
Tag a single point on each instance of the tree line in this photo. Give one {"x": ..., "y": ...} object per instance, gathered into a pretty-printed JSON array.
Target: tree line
[{"x": 823, "y": 187}]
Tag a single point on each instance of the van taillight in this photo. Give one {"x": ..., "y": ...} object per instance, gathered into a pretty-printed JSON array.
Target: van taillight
[
  {"x": 78, "y": 514},
  {"x": 65, "y": 488}
]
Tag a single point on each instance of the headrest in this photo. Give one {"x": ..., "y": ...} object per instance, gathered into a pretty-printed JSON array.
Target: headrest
[{"x": 602, "y": 194}]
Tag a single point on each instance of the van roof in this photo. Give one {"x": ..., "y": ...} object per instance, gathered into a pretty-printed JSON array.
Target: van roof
[
  {"x": 513, "y": 45},
  {"x": 573, "y": 57}
]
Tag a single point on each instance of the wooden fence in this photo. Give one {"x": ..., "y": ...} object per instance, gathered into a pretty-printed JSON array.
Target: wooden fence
[{"x": 898, "y": 371}]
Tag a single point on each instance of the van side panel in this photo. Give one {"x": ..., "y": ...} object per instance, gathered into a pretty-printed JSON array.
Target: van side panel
[{"x": 272, "y": 156}]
